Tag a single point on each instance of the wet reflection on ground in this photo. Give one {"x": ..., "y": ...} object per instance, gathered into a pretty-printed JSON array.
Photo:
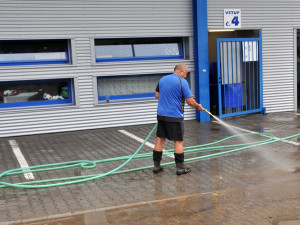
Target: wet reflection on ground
[
  {"x": 167, "y": 211},
  {"x": 244, "y": 204}
]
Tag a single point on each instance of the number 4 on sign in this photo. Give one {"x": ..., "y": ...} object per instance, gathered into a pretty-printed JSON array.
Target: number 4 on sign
[{"x": 235, "y": 21}]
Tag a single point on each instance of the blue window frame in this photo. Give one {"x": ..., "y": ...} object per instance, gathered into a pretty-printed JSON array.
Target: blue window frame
[
  {"x": 35, "y": 92},
  {"x": 120, "y": 88},
  {"x": 33, "y": 52},
  {"x": 111, "y": 50}
]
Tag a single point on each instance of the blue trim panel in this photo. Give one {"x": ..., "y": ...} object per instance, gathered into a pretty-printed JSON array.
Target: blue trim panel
[
  {"x": 141, "y": 75},
  {"x": 70, "y": 90},
  {"x": 196, "y": 54},
  {"x": 181, "y": 49},
  {"x": 118, "y": 97},
  {"x": 238, "y": 39},
  {"x": 37, "y": 62},
  {"x": 261, "y": 73},
  {"x": 240, "y": 113},
  {"x": 116, "y": 59},
  {"x": 35, "y": 103},
  {"x": 67, "y": 51},
  {"x": 201, "y": 58},
  {"x": 219, "y": 76}
]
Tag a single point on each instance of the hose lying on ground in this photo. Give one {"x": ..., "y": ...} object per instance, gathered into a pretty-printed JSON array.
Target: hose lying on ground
[{"x": 86, "y": 164}]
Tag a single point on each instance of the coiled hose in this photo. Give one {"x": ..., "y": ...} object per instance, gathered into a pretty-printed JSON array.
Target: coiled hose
[{"x": 86, "y": 164}]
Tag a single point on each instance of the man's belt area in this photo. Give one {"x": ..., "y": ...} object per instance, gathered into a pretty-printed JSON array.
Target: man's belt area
[{"x": 169, "y": 118}]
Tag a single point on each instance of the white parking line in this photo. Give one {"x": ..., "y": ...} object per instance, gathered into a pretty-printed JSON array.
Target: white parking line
[
  {"x": 21, "y": 159},
  {"x": 141, "y": 140},
  {"x": 249, "y": 131}
]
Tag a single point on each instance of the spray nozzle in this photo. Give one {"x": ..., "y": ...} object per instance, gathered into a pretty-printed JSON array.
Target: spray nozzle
[{"x": 208, "y": 112}]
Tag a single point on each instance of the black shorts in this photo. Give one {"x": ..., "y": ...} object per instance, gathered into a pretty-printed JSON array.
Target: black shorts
[{"x": 171, "y": 130}]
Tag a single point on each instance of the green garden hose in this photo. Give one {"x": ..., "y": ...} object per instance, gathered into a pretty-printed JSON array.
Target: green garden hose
[{"x": 86, "y": 164}]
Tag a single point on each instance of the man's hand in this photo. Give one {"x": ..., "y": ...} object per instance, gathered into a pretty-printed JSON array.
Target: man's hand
[{"x": 199, "y": 107}]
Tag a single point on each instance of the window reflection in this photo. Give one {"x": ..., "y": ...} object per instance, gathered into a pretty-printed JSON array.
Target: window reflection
[
  {"x": 22, "y": 92},
  {"x": 156, "y": 49},
  {"x": 109, "y": 51},
  {"x": 33, "y": 52}
]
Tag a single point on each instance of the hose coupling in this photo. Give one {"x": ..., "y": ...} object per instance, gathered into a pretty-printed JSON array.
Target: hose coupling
[{"x": 209, "y": 113}]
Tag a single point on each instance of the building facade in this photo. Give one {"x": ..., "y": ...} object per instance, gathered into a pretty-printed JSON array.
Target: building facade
[{"x": 75, "y": 65}]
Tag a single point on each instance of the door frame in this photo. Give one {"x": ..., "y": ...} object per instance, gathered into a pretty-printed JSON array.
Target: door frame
[{"x": 260, "y": 109}]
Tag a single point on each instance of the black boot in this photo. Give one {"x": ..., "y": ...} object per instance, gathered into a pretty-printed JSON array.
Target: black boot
[
  {"x": 180, "y": 168},
  {"x": 156, "y": 159}
]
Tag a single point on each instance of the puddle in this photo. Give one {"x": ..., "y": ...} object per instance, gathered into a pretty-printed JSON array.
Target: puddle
[
  {"x": 175, "y": 210},
  {"x": 290, "y": 222},
  {"x": 154, "y": 212},
  {"x": 75, "y": 220},
  {"x": 287, "y": 220},
  {"x": 297, "y": 170}
]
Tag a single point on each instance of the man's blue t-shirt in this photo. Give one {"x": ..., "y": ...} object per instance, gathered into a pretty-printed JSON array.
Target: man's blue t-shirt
[{"x": 170, "y": 95}]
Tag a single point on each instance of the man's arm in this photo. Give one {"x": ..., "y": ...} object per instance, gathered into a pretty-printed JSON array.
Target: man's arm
[
  {"x": 191, "y": 102},
  {"x": 157, "y": 91},
  {"x": 157, "y": 95}
]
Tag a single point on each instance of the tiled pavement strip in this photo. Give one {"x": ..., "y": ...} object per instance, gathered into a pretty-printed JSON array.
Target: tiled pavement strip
[{"x": 257, "y": 186}]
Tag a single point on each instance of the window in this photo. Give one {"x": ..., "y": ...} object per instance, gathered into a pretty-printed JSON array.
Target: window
[
  {"x": 32, "y": 52},
  {"x": 111, "y": 89},
  {"x": 128, "y": 88},
  {"x": 109, "y": 50},
  {"x": 32, "y": 93}
]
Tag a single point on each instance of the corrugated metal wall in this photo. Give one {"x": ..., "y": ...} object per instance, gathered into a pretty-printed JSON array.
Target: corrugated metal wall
[
  {"x": 82, "y": 21},
  {"x": 277, "y": 20}
]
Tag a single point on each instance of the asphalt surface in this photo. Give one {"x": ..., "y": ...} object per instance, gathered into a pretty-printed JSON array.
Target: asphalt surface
[{"x": 257, "y": 186}]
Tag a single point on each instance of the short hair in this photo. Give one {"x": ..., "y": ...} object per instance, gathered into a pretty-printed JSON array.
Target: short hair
[{"x": 180, "y": 66}]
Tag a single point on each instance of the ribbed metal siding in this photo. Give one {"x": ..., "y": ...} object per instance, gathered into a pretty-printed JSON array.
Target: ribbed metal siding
[
  {"x": 82, "y": 21},
  {"x": 85, "y": 18},
  {"x": 276, "y": 18}
]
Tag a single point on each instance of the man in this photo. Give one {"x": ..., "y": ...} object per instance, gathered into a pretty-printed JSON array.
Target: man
[{"x": 171, "y": 92}]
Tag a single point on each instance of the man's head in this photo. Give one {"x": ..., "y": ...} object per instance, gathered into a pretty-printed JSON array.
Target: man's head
[{"x": 181, "y": 70}]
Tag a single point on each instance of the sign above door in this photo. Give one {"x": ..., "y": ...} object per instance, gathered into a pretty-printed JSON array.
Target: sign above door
[{"x": 232, "y": 18}]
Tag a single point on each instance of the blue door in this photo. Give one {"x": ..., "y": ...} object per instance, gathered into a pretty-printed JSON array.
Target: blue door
[{"x": 239, "y": 64}]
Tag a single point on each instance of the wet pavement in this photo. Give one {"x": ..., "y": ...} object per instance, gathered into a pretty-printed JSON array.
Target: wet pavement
[{"x": 256, "y": 186}]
